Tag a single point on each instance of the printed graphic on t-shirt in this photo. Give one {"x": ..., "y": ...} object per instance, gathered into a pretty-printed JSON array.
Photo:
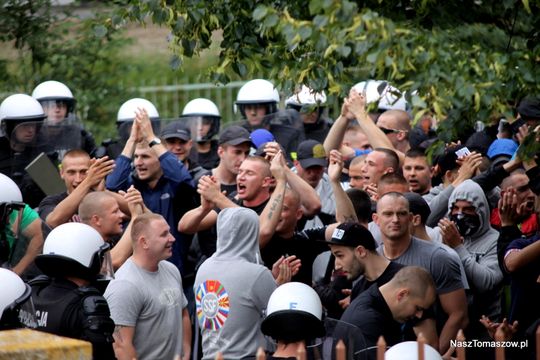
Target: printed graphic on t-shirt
[{"x": 212, "y": 301}]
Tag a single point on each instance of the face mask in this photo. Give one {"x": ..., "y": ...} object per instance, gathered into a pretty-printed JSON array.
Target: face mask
[{"x": 466, "y": 224}]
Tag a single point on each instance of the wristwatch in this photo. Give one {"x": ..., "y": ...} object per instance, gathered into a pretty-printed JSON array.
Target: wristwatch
[{"x": 155, "y": 141}]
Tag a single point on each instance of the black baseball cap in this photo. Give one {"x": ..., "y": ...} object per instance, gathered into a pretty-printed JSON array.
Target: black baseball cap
[
  {"x": 176, "y": 129},
  {"x": 234, "y": 135},
  {"x": 529, "y": 108},
  {"x": 311, "y": 153},
  {"x": 353, "y": 234}
]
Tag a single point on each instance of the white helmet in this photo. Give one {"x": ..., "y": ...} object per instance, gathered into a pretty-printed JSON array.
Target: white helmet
[
  {"x": 10, "y": 191},
  {"x": 387, "y": 96},
  {"x": 203, "y": 118},
  {"x": 14, "y": 298},
  {"x": 17, "y": 109},
  {"x": 54, "y": 91},
  {"x": 294, "y": 313},
  {"x": 408, "y": 350},
  {"x": 306, "y": 96},
  {"x": 74, "y": 249},
  {"x": 258, "y": 91},
  {"x": 128, "y": 109},
  {"x": 201, "y": 107}
]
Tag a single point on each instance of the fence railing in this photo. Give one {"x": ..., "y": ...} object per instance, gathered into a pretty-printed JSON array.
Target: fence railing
[{"x": 170, "y": 99}]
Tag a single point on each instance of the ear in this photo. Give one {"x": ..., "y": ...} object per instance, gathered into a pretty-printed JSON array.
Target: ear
[
  {"x": 388, "y": 170},
  {"x": 450, "y": 175},
  {"x": 190, "y": 142},
  {"x": 402, "y": 294},
  {"x": 144, "y": 242},
  {"x": 375, "y": 218},
  {"x": 297, "y": 164},
  {"x": 401, "y": 135},
  {"x": 96, "y": 220},
  {"x": 268, "y": 181},
  {"x": 415, "y": 220},
  {"x": 220, "y": 151},
  {"x": 360, "y": 251},
  {"x": 299, "y": 213}
]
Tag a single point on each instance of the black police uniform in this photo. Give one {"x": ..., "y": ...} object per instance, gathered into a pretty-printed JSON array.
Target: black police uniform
[{"x": 65, "y": 309}]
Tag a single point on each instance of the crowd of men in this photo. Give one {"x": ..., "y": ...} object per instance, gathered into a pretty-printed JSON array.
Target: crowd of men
[{"x": 186, "y": 238}]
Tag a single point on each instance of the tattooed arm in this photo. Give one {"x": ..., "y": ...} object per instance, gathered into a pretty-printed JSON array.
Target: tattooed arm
[{"x": 272, "y": 211}]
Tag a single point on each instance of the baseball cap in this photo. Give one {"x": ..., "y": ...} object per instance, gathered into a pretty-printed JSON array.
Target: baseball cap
[
  {"x": 234, "y": 135},
  {"x": 353, "y": 234},
  {"x": 529, "y": 107},
  {"x": 176, "y": 129},
  {"x": 502, "y": 147},
  {"x": 260, "y": 137},
  {"x": 311, "y": 153}
]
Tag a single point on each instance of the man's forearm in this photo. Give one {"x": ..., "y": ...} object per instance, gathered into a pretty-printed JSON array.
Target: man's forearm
[
  {"x": 68, "y": 207},
  {"x": 189, "y": 223},
  {"x": 344, "y": 208},
  {"x": 454, "y": 323},
  {"x": 308, "y": 196},
  {"x": 335, "y": 135},
  {"x": 271, "y": 214}
]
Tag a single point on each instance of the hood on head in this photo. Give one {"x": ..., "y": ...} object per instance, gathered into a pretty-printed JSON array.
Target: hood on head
[
  {"x": 472, "y": 192},
  {"x": 238, "y": 234}
]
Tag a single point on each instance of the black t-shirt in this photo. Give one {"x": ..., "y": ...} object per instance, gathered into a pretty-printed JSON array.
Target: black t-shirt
[
  {"x": 363, "y": 284},
  {"x": 210, "y": 159},
  {"x": 371, "y": 314},
  {"x": 304, "y": 245},
  {"x": 47, "y": 205}
]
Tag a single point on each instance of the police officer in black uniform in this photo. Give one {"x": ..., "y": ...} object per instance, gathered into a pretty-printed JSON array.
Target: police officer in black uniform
[{"x": 66, "y": 300}]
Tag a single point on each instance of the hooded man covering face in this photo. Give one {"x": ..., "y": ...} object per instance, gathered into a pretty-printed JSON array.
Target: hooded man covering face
[{"x": 471, "y": 235}]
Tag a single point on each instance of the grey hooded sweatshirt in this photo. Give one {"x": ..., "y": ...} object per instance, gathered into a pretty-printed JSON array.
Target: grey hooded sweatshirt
[
  {"x": 232, "y": 288},
  {"x": 478, "y": 254}
]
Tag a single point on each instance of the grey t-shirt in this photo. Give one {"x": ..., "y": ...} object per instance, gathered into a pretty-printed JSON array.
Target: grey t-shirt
[
  {"x": 152, "y": 302},
  {"x": 443, "y": 268}
]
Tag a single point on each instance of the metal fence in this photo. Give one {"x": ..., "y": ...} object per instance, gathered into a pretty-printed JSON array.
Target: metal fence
[{"x": 171, "y": 99}]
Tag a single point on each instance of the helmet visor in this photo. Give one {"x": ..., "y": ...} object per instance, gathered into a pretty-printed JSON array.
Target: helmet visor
[
  {"x": 22, "y": 133},
  {"x": 57, "y": 110},
  {"x": 107, "y": 271},
  {"x": 203, "y": 128},
  {"x": 21, "y": 313}
]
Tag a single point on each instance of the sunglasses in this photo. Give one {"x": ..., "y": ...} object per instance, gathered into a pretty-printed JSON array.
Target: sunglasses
[{"x": 389, "y": 131}]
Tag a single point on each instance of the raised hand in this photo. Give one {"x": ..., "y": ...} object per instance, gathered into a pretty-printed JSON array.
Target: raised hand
[
  {"x": 335, "y": 166},
  {"x": 450, "y": 233}
]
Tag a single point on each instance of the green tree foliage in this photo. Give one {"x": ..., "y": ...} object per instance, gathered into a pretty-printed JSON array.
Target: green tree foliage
[
  {"x": 51, "y": 44},
  {"x": 467, "y": 60}
]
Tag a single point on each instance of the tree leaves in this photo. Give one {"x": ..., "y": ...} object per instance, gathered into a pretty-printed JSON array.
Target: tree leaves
[{"x": 465, "y": 61}]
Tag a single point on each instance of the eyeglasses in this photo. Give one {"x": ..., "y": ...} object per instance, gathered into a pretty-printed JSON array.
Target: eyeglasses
[{"x": 389, "y": 131}]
